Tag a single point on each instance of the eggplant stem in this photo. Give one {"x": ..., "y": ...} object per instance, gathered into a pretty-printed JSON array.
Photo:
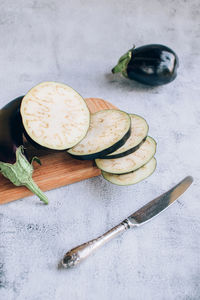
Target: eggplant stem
[
  {"x": 20, "y": 174},
  {"x": 33, "y": 187},
  {"x": 123, "y": 63}
]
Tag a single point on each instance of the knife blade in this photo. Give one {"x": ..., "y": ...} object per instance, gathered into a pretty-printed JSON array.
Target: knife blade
[
  {"x": 159, "y": 204},
  {"x": 141, "y": 216}
]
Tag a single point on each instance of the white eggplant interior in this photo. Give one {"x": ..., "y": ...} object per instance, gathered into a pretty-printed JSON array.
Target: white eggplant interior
[
  {"x": 139, "y": 130},
  {"x": 129, "y": 162},
  {"x": 132, "y": 177},
  {"x": 55, "y": 116},
  {"x": 107, "y": 127}
]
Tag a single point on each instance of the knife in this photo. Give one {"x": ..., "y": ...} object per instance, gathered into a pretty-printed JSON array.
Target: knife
[{"x": 140, "y": 217}]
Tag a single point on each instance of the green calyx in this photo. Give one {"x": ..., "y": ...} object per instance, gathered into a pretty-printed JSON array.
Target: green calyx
[
  {"x": 123, "y": 63},
  {"x": 20, "y": 173}
]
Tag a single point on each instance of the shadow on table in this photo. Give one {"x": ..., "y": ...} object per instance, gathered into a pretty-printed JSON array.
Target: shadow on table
[{"x": 118, "y": 81}]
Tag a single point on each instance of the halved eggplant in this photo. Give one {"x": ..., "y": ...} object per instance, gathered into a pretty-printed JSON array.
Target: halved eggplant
[
  {"x": 13, "y": 163},
  {"x": 109, "y": 130},
  {"x": 10, "y": 131},
  {"x": 139, "y": 131},
  {"x": 132, "y": 177},
  {"x": 54, "y": 116},
  {"x": 129, "y": 162}
]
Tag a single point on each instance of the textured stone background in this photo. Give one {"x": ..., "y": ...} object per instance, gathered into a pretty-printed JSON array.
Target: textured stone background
[{"x": 78, "y": 42}]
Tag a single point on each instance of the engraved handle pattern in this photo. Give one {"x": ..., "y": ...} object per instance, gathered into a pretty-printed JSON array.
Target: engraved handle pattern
[{"x": 79, "y": 253}]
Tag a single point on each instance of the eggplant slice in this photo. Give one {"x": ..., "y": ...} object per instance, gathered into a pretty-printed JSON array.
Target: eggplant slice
[
  {"x": 54, "y": 116},
  {"x": 129, "y": 162},
  {"x": 109, "y": 130},
  {"x": 132, "y": 177},
  {"x": 139, "y": 131}
]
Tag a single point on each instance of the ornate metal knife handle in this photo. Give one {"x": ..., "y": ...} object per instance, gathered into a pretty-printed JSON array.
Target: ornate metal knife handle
[{"x": 79, "y": 253}]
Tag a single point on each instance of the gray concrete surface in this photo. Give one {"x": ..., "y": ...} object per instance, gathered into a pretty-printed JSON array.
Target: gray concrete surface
[{"x": 78, "y": 42}]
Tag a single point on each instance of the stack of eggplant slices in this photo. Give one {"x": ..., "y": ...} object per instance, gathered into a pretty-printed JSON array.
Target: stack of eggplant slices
[
  {"x": 57, "y": 117},
  {"x": 54, "y": 116}
]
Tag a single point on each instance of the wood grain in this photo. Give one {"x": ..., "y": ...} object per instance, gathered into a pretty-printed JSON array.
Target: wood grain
[{"x": 58, "y": 168}]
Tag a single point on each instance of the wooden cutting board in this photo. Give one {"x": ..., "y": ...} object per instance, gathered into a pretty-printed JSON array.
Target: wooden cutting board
[{"x": 58, "y": 168}]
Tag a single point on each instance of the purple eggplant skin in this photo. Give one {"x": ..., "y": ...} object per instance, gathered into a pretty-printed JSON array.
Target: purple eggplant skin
[
  {"x": 152, "y": 64},
  {"x": 11, "y": 134}
]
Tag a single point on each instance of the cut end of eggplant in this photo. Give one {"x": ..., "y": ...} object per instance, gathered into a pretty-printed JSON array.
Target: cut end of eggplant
[
  {"x": 132, "y": 177},
  {"x": 139, "y": 131},
  {"x": 55, "y": 116},
  {"x": 129, "y": 162},
  {"x": 109, "y": 129}
]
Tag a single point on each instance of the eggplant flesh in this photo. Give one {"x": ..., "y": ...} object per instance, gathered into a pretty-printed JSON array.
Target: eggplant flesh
[
  {"x": 132, "y": 177},
  {"x": 139, "y": 131},
  {"x": 105, "y": 152},
  {"x": 152, "y": 64},
  {"x": 54, "y": 116},
  {"x": 131, "y": 162},
  {"x": 109, "y": 130}
]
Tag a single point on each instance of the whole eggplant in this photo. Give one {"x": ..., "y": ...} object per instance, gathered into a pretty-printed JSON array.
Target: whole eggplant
[
  {"x": 152, "y": 64},
  {"x": 13, "y": 163}
]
